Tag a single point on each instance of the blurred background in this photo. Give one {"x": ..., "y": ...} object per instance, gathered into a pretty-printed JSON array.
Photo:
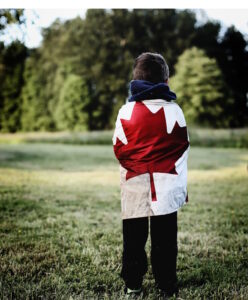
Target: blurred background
[{"x": 74, "y": 74}]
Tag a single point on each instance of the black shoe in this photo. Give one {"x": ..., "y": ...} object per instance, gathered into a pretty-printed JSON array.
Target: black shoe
[
  {"x": 165, "y": 295},
  {"x": 169, "y": 291}
]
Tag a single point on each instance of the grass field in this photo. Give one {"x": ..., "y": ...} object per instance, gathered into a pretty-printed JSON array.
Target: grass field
[{"x": 60, "y": 226}]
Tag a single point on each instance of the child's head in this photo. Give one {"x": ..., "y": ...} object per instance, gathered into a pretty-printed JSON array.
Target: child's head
[{"x": 150, "y": 67}]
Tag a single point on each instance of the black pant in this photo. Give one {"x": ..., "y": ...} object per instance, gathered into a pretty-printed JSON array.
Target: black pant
[{"x": 163, "y": 230}]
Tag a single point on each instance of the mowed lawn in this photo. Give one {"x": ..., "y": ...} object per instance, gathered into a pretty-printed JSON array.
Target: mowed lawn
[{"x": 60, "y": 224}]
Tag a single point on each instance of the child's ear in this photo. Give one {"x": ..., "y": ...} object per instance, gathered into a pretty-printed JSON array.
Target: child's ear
[{"x": 167, "y": 81}]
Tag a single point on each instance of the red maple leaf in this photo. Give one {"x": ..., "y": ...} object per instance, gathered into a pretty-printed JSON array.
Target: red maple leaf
[{"x": 150, "y": 148}]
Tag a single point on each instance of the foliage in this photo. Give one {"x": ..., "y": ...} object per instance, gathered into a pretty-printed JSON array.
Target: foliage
[
  {"x": 233, "y": 60},
  {"x": 12, "y": 60},
  {"x": 100, "y": 49},
  {"x": 35, "y": 110},
  {"x": 46, "y": 71},
  {"x": 201, "y": 90},
  {"x": 71, "y": 110}
]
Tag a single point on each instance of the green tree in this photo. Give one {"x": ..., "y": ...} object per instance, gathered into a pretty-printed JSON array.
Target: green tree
[
  {"x": 46, "y": 71},
  {"x": 233, "y": 60},
  {"x": 35, "y": 112},
  {"x": 12, "y": 58},
  {"x": 71, "y": 112},
  {"x": 206, "y": 37},
  {"x": 101, "y": 58},
  {"x": 201, "y": 90}
]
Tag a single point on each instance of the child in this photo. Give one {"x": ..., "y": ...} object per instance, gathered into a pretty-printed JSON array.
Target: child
[{"x": 151, "y": 144}]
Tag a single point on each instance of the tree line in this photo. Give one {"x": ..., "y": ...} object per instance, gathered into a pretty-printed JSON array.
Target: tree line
[{"x": 79, "y": 77}]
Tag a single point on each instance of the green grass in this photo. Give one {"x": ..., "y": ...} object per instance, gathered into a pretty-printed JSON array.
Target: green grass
[
  {"x": 204, "y": 137},
  {"x": 60, "y": 225}
]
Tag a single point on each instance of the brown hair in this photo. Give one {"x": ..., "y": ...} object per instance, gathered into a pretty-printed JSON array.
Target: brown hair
[{"x": 150, "y": 67}]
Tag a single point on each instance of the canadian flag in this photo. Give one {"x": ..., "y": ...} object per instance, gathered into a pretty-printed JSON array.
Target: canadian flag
[{"x": 151, "y": 143}]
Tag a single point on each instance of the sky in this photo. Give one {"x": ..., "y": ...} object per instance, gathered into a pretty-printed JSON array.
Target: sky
[{"x": 38, "y": 18}]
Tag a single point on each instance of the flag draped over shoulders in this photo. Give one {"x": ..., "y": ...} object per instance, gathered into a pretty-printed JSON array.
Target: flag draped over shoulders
[{"x": 151, "y": 143}]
